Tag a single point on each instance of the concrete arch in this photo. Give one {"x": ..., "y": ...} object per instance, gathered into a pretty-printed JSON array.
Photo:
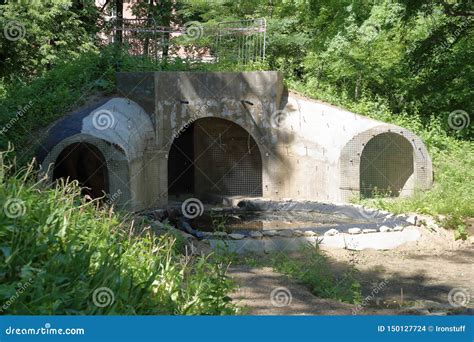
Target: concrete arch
[
  {"x": 352, "y": 159},
  {"x": 116, "y": 161},
  {"x": 212, "y": 156},
  {"x": 122, "y": 131}
]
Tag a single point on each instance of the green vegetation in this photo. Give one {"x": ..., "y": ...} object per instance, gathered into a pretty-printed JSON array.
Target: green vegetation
[
  {"x": 405, "y": 62},
  {"x": 313, "y": 270},
  {"x": 309, "y": 266},
  {"x": 62, "y": 255}
]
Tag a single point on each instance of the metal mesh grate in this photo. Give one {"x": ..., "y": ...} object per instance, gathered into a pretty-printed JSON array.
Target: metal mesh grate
[
  {"x": 386, "y": 165},
  {"x": 228, "y": 159}
]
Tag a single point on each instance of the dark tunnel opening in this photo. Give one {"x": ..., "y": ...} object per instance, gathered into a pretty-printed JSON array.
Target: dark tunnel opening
[
  {"x": 86, "y": 164},
  {"x": 212, "y": 158}
]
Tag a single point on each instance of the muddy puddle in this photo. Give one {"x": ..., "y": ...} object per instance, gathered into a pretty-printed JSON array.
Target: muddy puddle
[{"x": 245, "y": 221}]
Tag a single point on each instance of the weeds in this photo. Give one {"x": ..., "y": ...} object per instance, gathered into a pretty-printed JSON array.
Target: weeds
[
  {"x": 66, "y": 248},
  {"x": 312, "y": 268}
]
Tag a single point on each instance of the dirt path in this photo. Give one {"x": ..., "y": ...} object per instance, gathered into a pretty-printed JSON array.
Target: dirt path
[
  {"x": 417, "y": 279},
  {"x": 264, "y": 292}
]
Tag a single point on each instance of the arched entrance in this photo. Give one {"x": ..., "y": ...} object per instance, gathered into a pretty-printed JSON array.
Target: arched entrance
[
  {"x": 86, "y": 164},
  {"x": 386, "y": 165},
  {"x": 214, "y": 157}
]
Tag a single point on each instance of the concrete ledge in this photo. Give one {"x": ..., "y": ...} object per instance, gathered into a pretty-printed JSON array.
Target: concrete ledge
[{"x": 379, "y": 241}]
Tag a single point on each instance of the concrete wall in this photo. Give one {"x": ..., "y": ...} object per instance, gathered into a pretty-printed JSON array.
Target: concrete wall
[{"x": 308, "y": 149}]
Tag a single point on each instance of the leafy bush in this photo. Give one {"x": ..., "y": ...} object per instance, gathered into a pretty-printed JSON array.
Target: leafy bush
[{"x": 62, "y": 255}]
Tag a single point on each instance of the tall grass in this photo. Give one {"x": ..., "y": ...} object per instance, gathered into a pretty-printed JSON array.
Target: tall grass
[{"x": 59, "y": 252}]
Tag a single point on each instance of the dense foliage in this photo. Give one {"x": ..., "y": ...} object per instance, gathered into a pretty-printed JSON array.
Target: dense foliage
[{"x": 62, "y": 255}]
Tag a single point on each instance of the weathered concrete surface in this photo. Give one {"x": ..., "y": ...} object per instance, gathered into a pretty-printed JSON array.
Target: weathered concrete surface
[
  {"x": 308, "y": 149},
  {"x": 123, "y": 132}
]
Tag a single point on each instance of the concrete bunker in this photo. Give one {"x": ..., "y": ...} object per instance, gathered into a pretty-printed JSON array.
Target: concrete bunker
[
  {"x": 214, "y": 157},
  {"x": 103, "y": 146},
  {"x": 170, "y": 135}
]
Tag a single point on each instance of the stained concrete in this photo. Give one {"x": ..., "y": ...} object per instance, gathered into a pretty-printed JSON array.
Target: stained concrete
[{"x": 308, "y": 149}]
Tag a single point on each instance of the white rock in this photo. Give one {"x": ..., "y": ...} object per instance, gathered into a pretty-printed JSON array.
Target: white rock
[
  {"x": 236, "y": 236},
  {"x": 269, "y": 233},
  {"x": 398, "y": 228},
  {"x": 331, "y": 232},
  {"x": 219, "y": 234},
  {"x": 354, "y": 230},
  {"x": 369, "y": 230},
  {"x": 298, "y": 233},
  {"x": 256, "y": 235},
  {"x": 384, "y": 229},
  {"x": 309, "y": 233},
  {"x": 412, "y": 219}
]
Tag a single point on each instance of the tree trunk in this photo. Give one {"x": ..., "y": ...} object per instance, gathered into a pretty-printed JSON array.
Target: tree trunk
[{"x": 119, "y": 21}]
